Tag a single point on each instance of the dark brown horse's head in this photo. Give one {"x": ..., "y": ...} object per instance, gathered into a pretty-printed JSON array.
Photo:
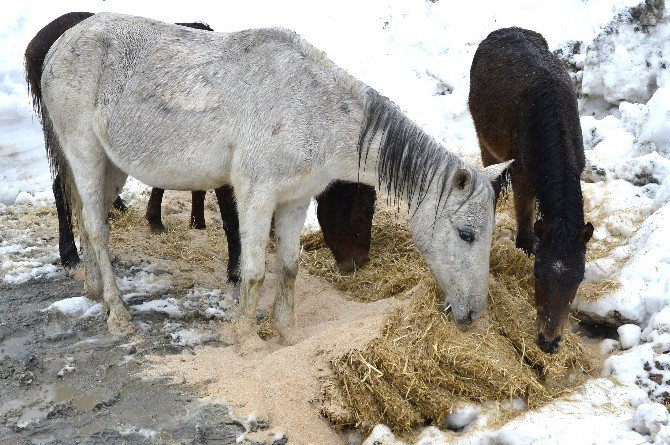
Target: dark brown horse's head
[
  {"x": 345, "y": 213},
  {"x": 559, "y": 269}
]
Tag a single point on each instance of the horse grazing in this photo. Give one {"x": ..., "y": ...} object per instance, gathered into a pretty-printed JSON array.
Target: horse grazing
[
  {"x": 34, "y": 59},
  {"x": 266, "y": 113},
  {"x": 345, "y": 211},
  {"x": 524, "y": 107}
]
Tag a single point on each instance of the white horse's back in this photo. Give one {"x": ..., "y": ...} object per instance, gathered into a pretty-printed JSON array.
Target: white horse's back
[{"x": 169, "y": 99}]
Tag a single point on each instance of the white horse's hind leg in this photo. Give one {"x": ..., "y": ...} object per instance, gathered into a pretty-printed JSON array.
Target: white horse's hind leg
[
  {"x": 289, "y": 220},
  {"x": 96, "y": 180}
]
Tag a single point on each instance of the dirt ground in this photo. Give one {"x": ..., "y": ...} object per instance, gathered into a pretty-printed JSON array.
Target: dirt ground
[{"x": 180, "y": 378}]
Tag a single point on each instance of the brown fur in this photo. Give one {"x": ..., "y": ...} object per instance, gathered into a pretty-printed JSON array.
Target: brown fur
[
  {"x": 524, "y": 108},
  {"x": 345, "y": 212}
]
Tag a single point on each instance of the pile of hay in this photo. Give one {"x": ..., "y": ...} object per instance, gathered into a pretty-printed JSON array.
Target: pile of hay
[
  {"x": 422, "y": 365},
  {"x": 395, "y": 265}
]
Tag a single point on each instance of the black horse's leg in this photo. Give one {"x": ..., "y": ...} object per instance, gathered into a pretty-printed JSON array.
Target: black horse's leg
[
  {"x": 153, "y": 214},
  {"x": 66, "y": 246},
  {"x": 198, "y": 209},
  {"x": 120, "y": 205},
  {"x": 524, "y": 205},
  {"x": 231, "y": 225}
]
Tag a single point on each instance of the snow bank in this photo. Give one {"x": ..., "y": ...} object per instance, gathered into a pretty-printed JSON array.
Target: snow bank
[
  {"x": 629, "y": 59},
  {"x": 645, "y": 278}
]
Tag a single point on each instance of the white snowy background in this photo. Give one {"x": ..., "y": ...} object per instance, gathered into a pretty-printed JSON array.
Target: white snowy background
[{"x": 418, "y": 53}]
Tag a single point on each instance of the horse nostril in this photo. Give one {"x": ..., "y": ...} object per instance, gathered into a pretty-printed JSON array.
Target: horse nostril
[
  {"x": 469, "y": 318},
  {"x": 549, "y": 347}
]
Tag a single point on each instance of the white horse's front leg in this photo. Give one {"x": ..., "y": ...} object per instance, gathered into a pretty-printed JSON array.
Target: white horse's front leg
[
  {"x": 289, "y": 220},
  {"x": 92, "y": 278}
]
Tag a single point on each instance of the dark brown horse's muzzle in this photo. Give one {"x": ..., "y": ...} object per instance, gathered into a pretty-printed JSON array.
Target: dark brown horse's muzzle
[
  {"x": 548, "y": 346},
  {"x": 553, "y": 308}
]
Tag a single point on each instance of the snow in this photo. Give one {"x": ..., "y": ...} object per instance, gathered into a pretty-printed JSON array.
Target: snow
[
  {"x": 629, "y": 335},
  {"x": 418, "y": 53},
  {"x": 628, "y": 63},
  {"x": 650, "y": 418},
  {"x": 190, "y": 337},
  {"x": 75, "y": 307},
  {"x": 461, "y": 417},
  {"x": 168, "y": 306}
]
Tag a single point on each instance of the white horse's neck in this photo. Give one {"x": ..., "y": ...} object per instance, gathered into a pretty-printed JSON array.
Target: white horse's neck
[{"x": 394, "y": 154}]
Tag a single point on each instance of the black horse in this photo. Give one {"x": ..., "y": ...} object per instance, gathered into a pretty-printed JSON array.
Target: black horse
[{"x": 524, "y": 108}]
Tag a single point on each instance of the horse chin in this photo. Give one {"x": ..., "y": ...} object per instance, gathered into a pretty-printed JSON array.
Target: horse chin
[{"x": 553, "y": 310}]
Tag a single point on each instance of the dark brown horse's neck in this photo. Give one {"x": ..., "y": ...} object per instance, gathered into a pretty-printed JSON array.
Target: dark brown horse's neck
[
  {"x": 557, "y": 181},
  {"x": 559, "y": 198}
]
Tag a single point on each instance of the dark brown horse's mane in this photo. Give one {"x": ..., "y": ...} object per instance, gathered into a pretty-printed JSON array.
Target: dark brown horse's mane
[
  {"x": 35, "y": 54},
  {"x": 38, "y": 48},
  {"x": 555, "y": 176},
  {"x": 409, "y": 159}
]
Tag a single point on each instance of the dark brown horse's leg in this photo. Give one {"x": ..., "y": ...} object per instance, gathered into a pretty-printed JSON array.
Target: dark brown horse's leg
[
  {"x": 345, "y": 211},
  {"x": 524, "y": 205},
  {"x": 198, "y": 209},
  {"x": 120, "y": 205},
  {"x": 231, "y": 225},
  {"x": 66, "y": 246},
  {"x": 153, "y": 214}
]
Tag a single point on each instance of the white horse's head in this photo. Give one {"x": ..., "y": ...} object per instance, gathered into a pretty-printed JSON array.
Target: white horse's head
[{"x": 453, "y": 229}]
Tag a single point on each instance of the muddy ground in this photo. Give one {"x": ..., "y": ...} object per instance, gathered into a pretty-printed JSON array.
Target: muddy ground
[{"x": 67, "y": 382}]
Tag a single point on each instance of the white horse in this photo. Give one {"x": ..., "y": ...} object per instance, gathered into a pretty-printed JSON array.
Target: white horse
[{"x": 263, "y": 111}]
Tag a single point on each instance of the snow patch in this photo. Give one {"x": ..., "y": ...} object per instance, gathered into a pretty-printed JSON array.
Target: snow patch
[{"x": 76, "y": 307}]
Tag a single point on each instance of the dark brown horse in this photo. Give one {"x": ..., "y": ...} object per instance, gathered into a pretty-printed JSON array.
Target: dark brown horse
[
  {"x": 524, "y": 108},
  {"x": 345, "y": 209}
]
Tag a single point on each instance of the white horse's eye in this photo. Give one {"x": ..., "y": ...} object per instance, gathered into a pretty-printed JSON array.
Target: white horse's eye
[{"x": 466, "y": 235}]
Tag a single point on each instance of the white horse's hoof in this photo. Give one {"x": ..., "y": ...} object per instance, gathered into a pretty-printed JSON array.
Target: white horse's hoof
[
  {"x": 77, "y": 273},
  {"x": 119, "y": 322}
]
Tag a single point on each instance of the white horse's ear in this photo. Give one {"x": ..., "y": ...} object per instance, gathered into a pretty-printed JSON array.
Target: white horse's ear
[
  {"x": 461, "y": 178},
  {"x": 494, "y": 171}
]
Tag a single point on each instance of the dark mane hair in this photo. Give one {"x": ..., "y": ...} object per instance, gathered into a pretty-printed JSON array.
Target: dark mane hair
[
  {"x": 556, "y": 177},
  {"x": 409, "y": 159},
  {"x": 196, "y": 25}
]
